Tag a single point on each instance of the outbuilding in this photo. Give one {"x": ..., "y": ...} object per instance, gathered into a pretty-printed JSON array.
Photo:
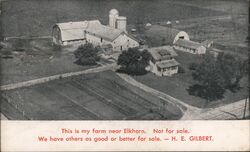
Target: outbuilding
[{"x": 189, "y": 46}]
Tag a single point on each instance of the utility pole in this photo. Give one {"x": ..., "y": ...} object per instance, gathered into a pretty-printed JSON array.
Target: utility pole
[{"x": 245, "y": 108}]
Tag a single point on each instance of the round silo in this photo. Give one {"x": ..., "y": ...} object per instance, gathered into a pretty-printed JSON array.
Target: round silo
[
  {"x": 121, "y": 23},
  {"x": 113, "y": 14}
]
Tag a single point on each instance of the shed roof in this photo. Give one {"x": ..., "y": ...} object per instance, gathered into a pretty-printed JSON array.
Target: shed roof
[
  {"x": 162, "y": 52},
  {"x": 167, "y": 63},
  {"x": 156, "y": 35},
  {"x": 188, "y": 44}
]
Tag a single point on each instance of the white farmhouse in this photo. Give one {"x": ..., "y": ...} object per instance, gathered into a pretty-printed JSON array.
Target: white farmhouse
[
  {"x": 96, "y": 33},
  {"x": 163, "y": 63},
  {"x": 189, "y": 46}
]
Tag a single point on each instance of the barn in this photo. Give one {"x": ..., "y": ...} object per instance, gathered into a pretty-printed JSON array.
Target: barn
[
  {"x": 70, "y": 32},
  {"x": 189, "y": 46},
  {"x": 157, "y": 35},
  {"x": 92, "y": 31}
]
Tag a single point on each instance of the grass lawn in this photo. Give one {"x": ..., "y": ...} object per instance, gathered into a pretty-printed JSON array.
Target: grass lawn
[
  {"x": 178, "y": 84},
  {"x": 38, "y": 59},
  {"x": 99, "y": 96}
]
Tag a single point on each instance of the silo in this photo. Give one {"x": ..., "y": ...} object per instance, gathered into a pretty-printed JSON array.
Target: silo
[
  {"x": 121, "y": 23},
  {"x": 113, "y": 14}
]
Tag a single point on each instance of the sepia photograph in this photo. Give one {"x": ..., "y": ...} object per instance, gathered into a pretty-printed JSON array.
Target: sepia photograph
[{"x": 124, "y": 59}]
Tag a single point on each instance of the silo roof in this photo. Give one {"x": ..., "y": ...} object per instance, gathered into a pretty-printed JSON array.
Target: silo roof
[{"x": 114, "y": 12}]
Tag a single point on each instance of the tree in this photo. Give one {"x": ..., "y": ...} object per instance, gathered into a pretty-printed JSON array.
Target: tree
[
  {"x": 233, "y": 70},
  {"x": 210, "y": 80},
  {"x": 134, "y": 61},
  {"x": 214, "y": 76},
  {"x": 87, "y": 54}
]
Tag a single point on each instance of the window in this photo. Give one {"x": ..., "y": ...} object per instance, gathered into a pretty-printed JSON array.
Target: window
[{"x": 101, "y": 39}]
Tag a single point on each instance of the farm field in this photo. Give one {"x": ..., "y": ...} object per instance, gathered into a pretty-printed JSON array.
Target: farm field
[
  {"x": 229, "y": 6},
  {"x": 100, "y": 96},
  {"x": 177, "y": 85},
  {"x": 23, "y": 18}
]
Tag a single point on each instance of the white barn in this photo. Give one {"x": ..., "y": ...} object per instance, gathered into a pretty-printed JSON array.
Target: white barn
[
  {"x": 96, "y": 33},
  {"x": 163, "y": 62},
  {"x": 189, "y": 46}
]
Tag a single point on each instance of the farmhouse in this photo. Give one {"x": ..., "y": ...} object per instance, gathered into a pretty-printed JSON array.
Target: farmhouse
[
  {"x": 96, "y": 33},
  {"x": 189, "y": 46},
  {"x": 157, "y": 35},
  {"x": 162, "y": 62}
]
